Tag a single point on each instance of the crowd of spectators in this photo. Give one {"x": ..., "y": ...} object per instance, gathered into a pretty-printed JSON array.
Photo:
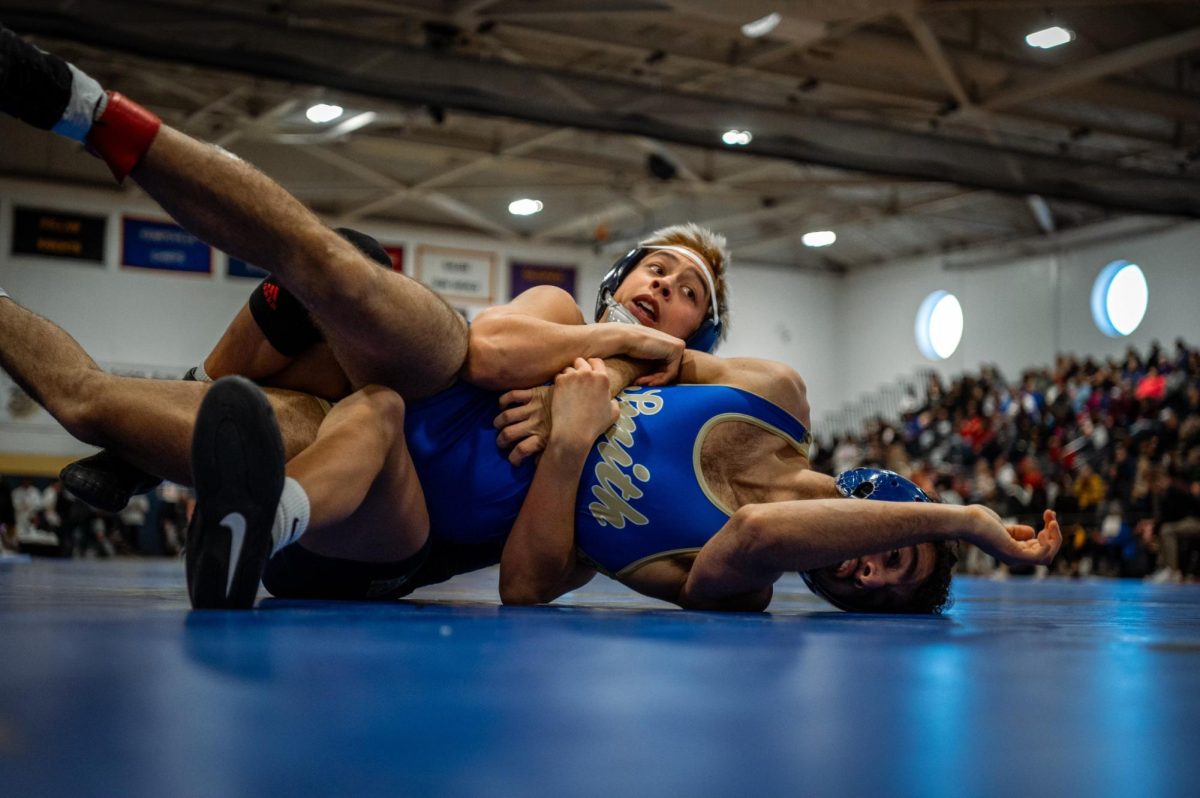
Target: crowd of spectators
[
  {"x": 1112, "y": 445},
  {"x": 40, "y": 517}
]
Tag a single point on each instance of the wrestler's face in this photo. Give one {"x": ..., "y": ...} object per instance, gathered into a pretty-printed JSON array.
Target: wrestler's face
[
  {"x": 876, "y": 581},
  {"x": 666, "y": 291}
]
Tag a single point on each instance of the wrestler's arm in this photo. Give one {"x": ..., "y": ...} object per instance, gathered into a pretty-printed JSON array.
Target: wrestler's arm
[
  {"x": 761, "y": 542},
  {"x": 542, "y": 331},
  {"x": 774, "y": 381},
  {"x": 538, "y": 563},
  {"x": 525, "y": 423}
]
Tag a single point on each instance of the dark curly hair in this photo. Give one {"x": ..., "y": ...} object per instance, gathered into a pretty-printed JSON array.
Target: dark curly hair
[{"x": 932, "y": 596}]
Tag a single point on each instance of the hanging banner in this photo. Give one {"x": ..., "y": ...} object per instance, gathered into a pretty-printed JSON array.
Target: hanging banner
[
  {"x": 58, "y": 234},
  {"x": 524, "y": 276},
  {"x": 239, "y": 268},
  {"x": 396, "y": 253},
  {"x": 461, "y": 274},
  {"x": 148, "y": 244}
]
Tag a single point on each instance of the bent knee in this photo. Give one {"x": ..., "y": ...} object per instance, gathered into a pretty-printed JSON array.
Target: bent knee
[{"x": 378, "y": 408}]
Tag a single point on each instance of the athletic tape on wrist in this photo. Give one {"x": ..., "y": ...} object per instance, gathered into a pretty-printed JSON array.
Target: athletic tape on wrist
[
  {"x": 87, "y": 103},
  {"x": 122, "y": 134}
]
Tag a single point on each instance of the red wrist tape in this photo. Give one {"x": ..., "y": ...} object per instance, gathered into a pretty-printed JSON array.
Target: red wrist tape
[{"x": 122, "y": 134}]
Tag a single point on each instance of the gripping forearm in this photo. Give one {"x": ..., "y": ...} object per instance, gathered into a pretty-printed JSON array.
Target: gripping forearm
[
  {"x": 539, "y": 556},
  {"x": 521, "y": 351}
]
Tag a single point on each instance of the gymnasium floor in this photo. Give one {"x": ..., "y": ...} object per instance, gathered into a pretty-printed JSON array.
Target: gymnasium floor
[{"x": 110, "y": 686}]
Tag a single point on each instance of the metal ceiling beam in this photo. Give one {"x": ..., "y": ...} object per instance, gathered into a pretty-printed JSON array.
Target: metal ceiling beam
[
  {"x": 499, "y": 89},
  {"x": 1096, "y": 68}
]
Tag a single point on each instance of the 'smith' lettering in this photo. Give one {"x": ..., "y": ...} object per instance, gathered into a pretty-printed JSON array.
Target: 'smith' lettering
[{"x": 614, "y": 488}]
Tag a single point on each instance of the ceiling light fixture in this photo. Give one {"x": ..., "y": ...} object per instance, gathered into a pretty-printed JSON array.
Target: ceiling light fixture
[
  {"x": 323, "y": 112},
  {"x": 737, "y": 138},
  {"x": 819, "y": 238},
  {"x": 762, "y": 26},
  {"x": 524, "y": 207},
  {"x": 1049, "y": 37}
]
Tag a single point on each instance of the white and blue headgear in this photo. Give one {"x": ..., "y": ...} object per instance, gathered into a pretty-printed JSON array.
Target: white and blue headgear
[{"x": 706, "y": 336}]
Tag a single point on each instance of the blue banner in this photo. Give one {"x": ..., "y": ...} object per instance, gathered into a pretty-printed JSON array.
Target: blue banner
[
  {"x": 161, "y": 245},
  {"x": 239, "y": 268}
]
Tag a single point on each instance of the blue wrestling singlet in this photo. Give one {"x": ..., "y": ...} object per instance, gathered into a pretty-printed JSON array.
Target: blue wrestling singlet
[
  {"x": 642, "y": 496},
  {"x": 471, "y": 490}
]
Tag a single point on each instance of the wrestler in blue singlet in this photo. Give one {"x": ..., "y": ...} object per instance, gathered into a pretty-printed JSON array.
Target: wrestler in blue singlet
[{"x": 641, "y": 495}]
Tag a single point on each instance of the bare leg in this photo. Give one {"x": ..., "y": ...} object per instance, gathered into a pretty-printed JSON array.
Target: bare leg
[
  {"x": 245, "y": 351},
  {"x": 382, "y": 326},
  {"x": 149, "y": 422},
  {"x": 365, "y": 501}
]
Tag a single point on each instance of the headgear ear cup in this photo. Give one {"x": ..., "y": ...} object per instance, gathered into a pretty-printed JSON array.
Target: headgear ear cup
[{"x": 706, "y": 336}]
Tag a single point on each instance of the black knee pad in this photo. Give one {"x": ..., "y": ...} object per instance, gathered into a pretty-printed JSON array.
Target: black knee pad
[{"x": 282, "y": 319}]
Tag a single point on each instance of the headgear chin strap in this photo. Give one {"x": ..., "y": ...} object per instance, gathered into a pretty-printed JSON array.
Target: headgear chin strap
[{"x": 704, "y": 339}]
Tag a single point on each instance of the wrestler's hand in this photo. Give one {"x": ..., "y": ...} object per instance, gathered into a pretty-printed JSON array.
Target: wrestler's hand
[
  {"x": 582, "y": 408},
  {"x": 525, "y": 422},
  {"x": 662, "y": 350},
  {"x": 1015, "y": 544}
]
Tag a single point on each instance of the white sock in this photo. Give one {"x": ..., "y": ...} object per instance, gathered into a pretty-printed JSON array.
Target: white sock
[
  {"x": 291, "y": 516},
  {"x": 4, "y": 294},
  {"x": 87, "y": 103}
]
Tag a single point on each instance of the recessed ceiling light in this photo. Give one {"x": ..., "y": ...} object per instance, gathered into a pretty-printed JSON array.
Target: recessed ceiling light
[
  {"x": 737, "y": 138},
  {"x": 524, "y": 207},
  {"x": 819, "y": 238},
  {"x": 1049, "y": 37},
  {"x": 323, "y": 112},
  {"x": 762, "y": 26}
]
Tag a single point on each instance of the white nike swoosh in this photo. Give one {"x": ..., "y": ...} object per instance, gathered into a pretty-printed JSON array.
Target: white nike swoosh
[{"x": 236, "y": 524}]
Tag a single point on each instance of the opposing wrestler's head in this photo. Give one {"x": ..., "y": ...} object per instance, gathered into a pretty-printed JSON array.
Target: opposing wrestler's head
[
  {"x": 910, "y": 579},
  {"x": 673, "y": 281}
]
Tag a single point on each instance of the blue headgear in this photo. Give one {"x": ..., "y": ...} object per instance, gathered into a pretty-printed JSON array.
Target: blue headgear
[
  {"x": 869, "y": 483},
  {"x": 878, "y": 484},
  {"x": 704, "y": 339}
]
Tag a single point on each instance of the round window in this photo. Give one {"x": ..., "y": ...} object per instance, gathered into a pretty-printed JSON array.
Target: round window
[
  {"x": 939, "y": 325},
  {"x": 1119, "y": 298}
]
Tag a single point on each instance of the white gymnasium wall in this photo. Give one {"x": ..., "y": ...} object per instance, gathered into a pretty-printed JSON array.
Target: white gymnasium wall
[
  {"x": 787, "y": 316},
  {"x": 846, "y": 335},
  {"x": 1017, "y": 313}
]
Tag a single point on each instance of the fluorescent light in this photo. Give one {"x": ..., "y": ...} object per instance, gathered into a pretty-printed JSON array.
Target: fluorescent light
[
  {"x": 1049, "y": 37},
  {"x": 761, "y": 26},
  {"x": 819, "y": 238},
  {"x": 524, "y": 207},
  {"x": 737, "y": 138},
  {"x": 322, "y": 112}
]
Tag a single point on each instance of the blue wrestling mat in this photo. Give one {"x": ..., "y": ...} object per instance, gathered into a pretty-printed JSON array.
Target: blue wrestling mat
[{"x": 110, "y": 686}]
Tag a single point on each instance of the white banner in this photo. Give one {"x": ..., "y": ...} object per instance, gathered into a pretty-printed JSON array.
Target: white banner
[{"x": 458, "y": 274}]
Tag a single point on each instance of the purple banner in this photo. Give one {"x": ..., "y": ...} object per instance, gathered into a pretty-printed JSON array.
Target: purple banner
[{"x": 526, "y": 275}]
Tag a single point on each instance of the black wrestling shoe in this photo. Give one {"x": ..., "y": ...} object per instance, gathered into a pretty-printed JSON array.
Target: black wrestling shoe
[
  {"x": 237, "y": 468},
  {"x": 35, "y": 86},
  {"x": 106, "y": 481}
]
